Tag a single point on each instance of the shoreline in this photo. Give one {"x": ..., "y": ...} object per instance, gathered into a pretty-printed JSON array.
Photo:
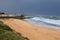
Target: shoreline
[
  {"x": 43, "y": 25},
  {"x": 33, "y": 32}
]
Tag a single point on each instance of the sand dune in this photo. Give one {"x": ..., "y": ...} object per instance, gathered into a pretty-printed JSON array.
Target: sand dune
[{"x": 31, "y": 31}]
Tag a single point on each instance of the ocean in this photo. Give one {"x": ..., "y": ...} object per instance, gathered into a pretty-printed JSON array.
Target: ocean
[{"x": 45, "y": 21}]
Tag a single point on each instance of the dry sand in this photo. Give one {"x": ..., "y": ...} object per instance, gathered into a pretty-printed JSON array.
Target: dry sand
[{"x": 31, "y": 31}]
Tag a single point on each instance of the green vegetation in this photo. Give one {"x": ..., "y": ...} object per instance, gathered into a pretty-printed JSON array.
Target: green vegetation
[
  {"x": 17, "y": 17},
  {"x": 3, "y": 15},
  {"x": 7, "y": 33},
  {"x": 4, "y": 27},
  {"x": 20, "y": 17}
]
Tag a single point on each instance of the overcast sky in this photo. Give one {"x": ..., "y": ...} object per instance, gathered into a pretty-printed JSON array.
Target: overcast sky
[{"x": 31, "y": 7}]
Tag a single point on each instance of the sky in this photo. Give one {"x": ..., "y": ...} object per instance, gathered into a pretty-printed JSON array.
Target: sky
[{"x": 31, "y": 7}]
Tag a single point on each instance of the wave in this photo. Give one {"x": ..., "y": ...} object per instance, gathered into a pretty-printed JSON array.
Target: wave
[
  {"x": 44, "y": 21},
  {"x": 51, "y": 21}
]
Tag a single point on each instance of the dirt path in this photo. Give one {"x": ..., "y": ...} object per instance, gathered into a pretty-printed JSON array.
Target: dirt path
[{"x": 31, "y": 31}]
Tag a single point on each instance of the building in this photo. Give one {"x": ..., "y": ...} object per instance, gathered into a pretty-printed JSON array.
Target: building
[{"x": 2, "y": 13}]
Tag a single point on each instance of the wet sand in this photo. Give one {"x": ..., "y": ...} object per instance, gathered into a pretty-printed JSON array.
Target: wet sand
[{"x": 31, "y": 31}]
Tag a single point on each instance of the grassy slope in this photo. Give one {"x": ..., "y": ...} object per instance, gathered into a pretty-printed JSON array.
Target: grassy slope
[{"x": 8, "y": 34}]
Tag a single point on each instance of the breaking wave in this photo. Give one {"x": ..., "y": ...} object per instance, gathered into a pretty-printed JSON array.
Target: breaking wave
[{"x": 46, "y": 21}]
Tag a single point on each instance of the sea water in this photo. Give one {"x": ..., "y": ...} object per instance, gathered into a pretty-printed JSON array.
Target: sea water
[{"x": 45, "y": 21}]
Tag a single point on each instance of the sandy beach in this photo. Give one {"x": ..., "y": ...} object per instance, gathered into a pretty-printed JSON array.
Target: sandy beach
[{"x": 33, "y": 32}]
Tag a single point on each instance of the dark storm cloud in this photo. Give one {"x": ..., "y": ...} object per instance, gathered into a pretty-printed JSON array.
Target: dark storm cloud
[{"x": 31, "y": 7}]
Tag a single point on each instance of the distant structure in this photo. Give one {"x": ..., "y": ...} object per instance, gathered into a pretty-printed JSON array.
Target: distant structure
[{"x": 2, "y": 13}]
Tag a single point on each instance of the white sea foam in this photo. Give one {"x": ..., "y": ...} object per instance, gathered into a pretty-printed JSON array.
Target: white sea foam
[
  {"x": 41, "y": 21},
  {"x": 51, "y": 21}
]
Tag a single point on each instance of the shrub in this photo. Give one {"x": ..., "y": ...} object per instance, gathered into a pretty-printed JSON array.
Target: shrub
[
  {"x": 20, "y": 17},
  {"x": 8, "y": 35},
  {"x": 4, "y": 27}
]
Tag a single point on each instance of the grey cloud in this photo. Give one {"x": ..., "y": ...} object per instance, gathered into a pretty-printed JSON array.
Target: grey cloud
[{"x": 30, "y": 7}]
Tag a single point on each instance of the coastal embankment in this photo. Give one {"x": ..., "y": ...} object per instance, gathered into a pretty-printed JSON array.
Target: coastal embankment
[{"x": 31, "y": 31}]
